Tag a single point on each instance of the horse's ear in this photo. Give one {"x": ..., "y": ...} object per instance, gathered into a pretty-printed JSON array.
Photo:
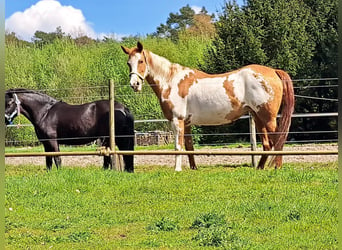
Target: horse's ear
[
  {"x": 126, "y": 50},
  {"x": 140, "y": 46}
]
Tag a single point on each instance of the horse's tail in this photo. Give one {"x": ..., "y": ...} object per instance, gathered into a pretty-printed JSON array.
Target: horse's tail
[{"x": 287, "y": 109}]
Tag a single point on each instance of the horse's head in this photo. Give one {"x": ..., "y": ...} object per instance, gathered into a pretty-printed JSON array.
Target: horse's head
[
  {"x": 12, "y": 107},
  {"x": 137, "y": 64}
]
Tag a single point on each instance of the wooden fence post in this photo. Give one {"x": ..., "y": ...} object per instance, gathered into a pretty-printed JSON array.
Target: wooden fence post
[
  {"x": 115, "y": 158},
  {"x": 252, "y": 138}
]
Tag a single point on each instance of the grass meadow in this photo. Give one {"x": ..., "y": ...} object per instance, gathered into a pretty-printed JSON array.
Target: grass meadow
[{"x": 158, "y": 208}]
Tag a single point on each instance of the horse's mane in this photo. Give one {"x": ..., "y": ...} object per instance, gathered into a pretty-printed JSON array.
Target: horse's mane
[
  {"x": 165, "y": 67},
  {"x": 31, "y": 91}
]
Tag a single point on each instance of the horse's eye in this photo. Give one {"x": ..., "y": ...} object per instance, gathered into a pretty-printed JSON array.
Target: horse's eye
[{"x": 141, "y": 61}]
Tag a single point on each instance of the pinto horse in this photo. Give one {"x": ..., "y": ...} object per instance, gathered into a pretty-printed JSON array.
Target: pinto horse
[
  {"x": 57, "y": 122},
  {"x": 191, "y": 97}
]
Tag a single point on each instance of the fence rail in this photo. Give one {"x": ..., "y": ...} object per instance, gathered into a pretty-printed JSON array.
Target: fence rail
[
  {"x": 300, "y": 115},
  {"x": 112, "y": 151},
  {"x": 170, "y": 152}
]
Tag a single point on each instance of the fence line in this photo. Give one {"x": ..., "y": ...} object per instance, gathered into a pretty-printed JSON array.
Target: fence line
[
  {"x": 151, "y": 94},
  {"x": 106, "y": 152},
  {"x": 216, "y": 134},
  {"x": 300, "y": 115},
  {"x": 154, "y": 152},
  {"x": 128, "y": 86},
  {"x": 317, "y": 98},
  {"x": 113, "y": 151}
]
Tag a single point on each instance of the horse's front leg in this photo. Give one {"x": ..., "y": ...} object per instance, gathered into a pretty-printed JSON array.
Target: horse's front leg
[
  {"x": 178, "y": 127},
  {"x": 189, "y": 146},
  {"x": 58, "y": 161},
  {"x": 48, "y": 161},
  {"x": 52, "y": 146}
]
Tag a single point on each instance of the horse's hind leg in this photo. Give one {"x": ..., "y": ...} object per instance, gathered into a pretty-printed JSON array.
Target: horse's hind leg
[
  {"x": 189, "y": 146},
  {"x": 277, "y": 161},
  {"x": 127, "y": 143},
  {"x": 266, "y": 147},
  {"x": 267, "y": 144},
  {"x": 107, "y": 161},
  {"x": 272, "y": 129}
]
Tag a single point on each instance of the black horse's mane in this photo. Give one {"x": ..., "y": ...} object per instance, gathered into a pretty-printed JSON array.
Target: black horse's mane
[{"x": 30, "y": 91}]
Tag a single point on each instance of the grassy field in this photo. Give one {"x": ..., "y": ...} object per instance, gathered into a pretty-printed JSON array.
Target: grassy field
[{"x": 158, "y": 208}]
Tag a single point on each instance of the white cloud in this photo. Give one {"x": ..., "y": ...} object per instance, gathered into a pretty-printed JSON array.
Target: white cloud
[
  {"x": 196, "y": 9},
  {"x": 47, "y": 15}
]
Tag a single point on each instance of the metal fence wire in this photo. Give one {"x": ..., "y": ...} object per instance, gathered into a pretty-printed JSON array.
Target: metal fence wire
[{"x": 27, "y": 136}]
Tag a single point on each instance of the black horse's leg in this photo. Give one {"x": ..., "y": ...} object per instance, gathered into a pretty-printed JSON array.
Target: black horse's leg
[
  {"x": 48, "y": 159},
  {"x": 52, "y": 146},
  {"x": 127, "y": 143},
  {"x": 58, "y": 161},
  {"x": 106, "y": 162}
]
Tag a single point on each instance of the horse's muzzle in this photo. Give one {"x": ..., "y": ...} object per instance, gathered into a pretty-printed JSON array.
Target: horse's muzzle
[{"x": 136, "y": 86}]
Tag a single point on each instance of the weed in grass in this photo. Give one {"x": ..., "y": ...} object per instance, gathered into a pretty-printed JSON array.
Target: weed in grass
[
  {"x": 293, "y": 215},
  {"x": 79, "y": 236},
  {"x": 209, "y": 219},
  {"x": 213, "y": 230},
  {"x": 164, "y": 224},
  {"x": 216, "y": 236}
]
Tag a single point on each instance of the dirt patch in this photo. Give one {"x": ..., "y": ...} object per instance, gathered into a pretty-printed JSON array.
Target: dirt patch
[{"x": 168, "y": 160}]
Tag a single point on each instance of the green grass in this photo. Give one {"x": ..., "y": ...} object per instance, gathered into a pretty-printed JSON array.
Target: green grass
[{"x": 215, "y": 206}]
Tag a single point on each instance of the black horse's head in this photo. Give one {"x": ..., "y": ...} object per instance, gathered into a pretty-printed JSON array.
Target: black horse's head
[{"x": 12, "y": 107}]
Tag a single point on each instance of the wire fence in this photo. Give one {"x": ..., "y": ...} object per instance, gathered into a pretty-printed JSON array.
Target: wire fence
[{"x": 27, "y": 138}]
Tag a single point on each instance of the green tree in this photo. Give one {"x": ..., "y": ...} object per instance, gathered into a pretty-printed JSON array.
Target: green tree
[
  {"x": 299, "y": 36},
  {"x": 269, "y": 32},
  {"x": 11, "y": 38},
  {"x": 184, "y": 20},
  {"x": 323, "y": 64},
  {"x": 41, "y": 38}
]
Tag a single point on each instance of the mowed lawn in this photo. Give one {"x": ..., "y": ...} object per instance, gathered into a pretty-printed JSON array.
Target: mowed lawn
[{"x": 158, "y": 208}]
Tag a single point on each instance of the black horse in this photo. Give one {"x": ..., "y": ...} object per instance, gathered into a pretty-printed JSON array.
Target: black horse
[{"x": 57, "y": 122}]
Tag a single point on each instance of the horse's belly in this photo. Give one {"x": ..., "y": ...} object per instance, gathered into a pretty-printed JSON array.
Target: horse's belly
[
  {"x": 209, "y": 104},
  {"x": 209, "y": 114}
]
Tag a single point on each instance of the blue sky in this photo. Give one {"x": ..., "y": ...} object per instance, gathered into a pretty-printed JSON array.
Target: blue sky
[{"x": 96, "y": 18}]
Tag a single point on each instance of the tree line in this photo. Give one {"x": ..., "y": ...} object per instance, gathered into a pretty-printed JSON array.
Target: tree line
[{"x": 298, "y": 36}]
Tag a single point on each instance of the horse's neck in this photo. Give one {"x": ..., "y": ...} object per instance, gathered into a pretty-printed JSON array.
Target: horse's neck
[
  {"x": 34, "y": 107},
  {"x": 161, "y": 71}
]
